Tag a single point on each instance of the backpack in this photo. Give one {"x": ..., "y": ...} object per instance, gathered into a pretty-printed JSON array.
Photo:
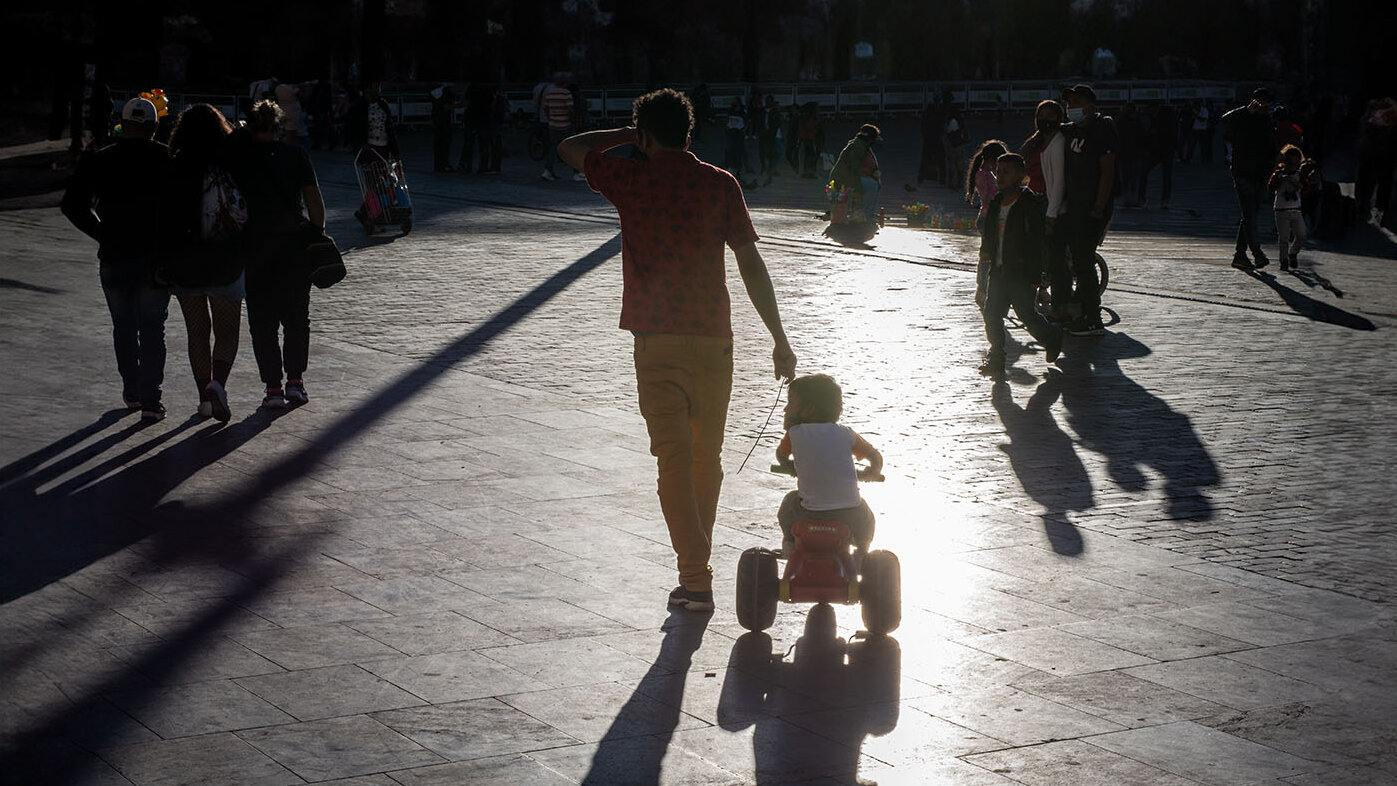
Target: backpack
[
  {"x": 224, "y": 212},
  {"x": 217, "y": 257}
]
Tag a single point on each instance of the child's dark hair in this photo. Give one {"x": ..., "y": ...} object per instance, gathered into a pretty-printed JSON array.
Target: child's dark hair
[
  {"x": 991, "y": 149},
  {"x": 1290, "y": 150},
  {"x": 1015, "y": 160},
  {"x": 820, "y": 398},
  {"x": 265, "y": 117},
  {"x": 665, "y": 113}
]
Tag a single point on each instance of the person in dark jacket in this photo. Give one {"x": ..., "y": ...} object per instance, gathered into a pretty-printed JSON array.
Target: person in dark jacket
[
  {"x": 117, "y": 198},
  {"x": 283, "y": 204},
  {"x": 1012, "y": 251},
  {"x": 1252, "y": 139},
  {"x": 443, "y": 105}
]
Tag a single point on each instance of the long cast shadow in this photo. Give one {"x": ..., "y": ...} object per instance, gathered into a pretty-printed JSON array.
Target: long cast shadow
[
  {"x": 1134, "y": 429},
  {"x": 1045, "y": 461},
  {"x": 1306, "y": 306},
  {"x": 858, "y": 683},
  {"x": 216, "y": 530},
  {"x": 634, "y": 746}
]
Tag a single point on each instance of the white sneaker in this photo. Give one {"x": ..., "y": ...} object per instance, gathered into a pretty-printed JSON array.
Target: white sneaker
[
  {"x": 579, "y": 176},
  {"x": 548, "y": 175}
]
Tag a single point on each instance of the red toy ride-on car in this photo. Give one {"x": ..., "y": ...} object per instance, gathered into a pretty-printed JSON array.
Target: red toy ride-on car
[{"x": 824, "y": 567}]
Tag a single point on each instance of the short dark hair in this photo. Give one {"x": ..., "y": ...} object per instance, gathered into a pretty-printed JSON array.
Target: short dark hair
[
  {"x": 666, "y": 114},
  {"x": 820, "y": 396},
  {"x": 1013, "y": 159},
  {"x": 265, "y": 117}
]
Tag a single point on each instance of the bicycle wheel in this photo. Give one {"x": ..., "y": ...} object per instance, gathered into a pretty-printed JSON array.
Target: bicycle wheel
[{"x": 1103, "y": 274}]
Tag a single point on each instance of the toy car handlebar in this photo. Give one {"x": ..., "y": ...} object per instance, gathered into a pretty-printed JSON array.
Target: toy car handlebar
[{"x": 863, "y": 473}]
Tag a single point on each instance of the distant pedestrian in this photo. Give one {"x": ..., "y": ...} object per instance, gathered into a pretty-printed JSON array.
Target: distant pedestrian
[
  {"x": 99, "y": 115},
  {"x": 810, "y": 132},
  {"x": 373, "y": 140},
  {"x": 677, "y": 214},
  {"x": 283, "y": 202},
  {"x": 320, "y": 113},
  {"x": 1132, "y": 151},
  {"x": 117, "y": 197},
  {"x": 1160, "y": 142},
  {"x": 1291, "y": 180},
  {"x": 1011, "y": 267},
  {"x": 979, "y": 178},
  {"x": 933, "y": 159},
  {"x": 767, "y": 142},
  {"x": 735, "y": 139},
  {"x": 555, "y": 106},
  {"x": 293, "y": 128},
  {"x": 1377, "y": 158},
  {"x": 857, "y": 170},
  {"x": 478, "y": 119},
  {"x": 956, "y": 137},
  {"x": 443, "y": 124},
  {"x": 1090, "y": 157},
  {"x": 1251, "y": 138},
  {"x": 702, "y": 101},
  {"x": 1045, "y": 161},
  {"x": 206, "y": 207},
  {"x": 1196, "y": 135}
]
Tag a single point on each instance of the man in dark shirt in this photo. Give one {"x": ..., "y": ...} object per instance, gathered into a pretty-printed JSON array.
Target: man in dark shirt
[
  {"x": 1251, "y": 137},
  {"x": 115, "y": 198},
  {"x": 1090, "y": 153}
]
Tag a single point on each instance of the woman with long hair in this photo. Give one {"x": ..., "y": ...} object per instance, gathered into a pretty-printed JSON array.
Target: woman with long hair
[
  {"x": 207, "y": 208},
  {"x": 979, "y": 176}
]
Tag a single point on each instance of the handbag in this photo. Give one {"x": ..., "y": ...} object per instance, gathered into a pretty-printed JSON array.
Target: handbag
[{"x": 321, "y": 258}]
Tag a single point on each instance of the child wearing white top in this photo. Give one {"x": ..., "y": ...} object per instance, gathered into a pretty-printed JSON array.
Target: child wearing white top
[
  {"x": 1292, "y": 179},
  {"x": 822, "y": 453}
]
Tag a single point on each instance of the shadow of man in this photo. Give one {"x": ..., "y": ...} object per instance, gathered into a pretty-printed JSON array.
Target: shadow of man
[
  {"x": 1133, "y": 429},
  {"x": 1045, "y": 460},
  {"x": 633, "y": 749},
  {"x": 856, "y": 684}
]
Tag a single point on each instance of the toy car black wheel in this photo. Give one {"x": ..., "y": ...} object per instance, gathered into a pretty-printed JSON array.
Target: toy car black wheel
[
  {"x": 880, "y": 591},
  {"x": 757, "y": 589},
  {"x": 405, "y": 225}
]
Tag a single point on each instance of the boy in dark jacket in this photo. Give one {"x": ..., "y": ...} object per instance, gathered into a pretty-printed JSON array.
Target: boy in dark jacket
[{"x": 1012, "y": 251}]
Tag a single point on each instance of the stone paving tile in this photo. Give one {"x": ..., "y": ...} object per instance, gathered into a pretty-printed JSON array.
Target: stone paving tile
[
  {"x": 314, "y": 646},
  {"x": 1055, "y": 650},
  {"x": 339, "y": 748},
  {"x": 518, "y": 769},
  {"x": 1203, "y": 754},
  {"x": 222, "y": 758},
  {"x": 451, "y": 676},
  {"x": 1225, "y": 681},
  {"x": 431, "y": 634},
  {"x": 1014, "y": 716},
  {"x": 1155, "y": 638},
  {"x": 474, "y": 729},
  {"x": 329, "y": 691},
  {"x": 1075, "y": 762},
  {"x": 1121, "y": 698},
  {"x": 202, "y": 708}
]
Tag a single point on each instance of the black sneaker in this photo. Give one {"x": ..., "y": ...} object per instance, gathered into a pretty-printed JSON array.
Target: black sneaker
[
  {"x": 691, "y": 600},
  {"x": 1241, "y": 262},
  {"x": 1052, "y": 348},
  {"x": 275, "y": 399},
  {"x": 296, "y": 392},
  {"x": 152, "y": 412},
  {"x": 1261, "y": 261},
  {"x": 218, "y": 401}
]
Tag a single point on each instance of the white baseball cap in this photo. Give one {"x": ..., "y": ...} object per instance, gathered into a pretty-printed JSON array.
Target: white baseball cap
[{"x": 139, "y": 110}]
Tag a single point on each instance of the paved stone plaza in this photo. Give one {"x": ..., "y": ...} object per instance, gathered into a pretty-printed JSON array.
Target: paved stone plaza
[{"x": 1166, "y": 560}]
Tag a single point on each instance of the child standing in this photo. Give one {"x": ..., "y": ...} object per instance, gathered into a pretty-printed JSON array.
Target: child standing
[
  {"x": 1011, "y": 264},
  {"x": 822, "y": 452},
  {"x": 979, "y": 180},
  {"x": 1291, "y": 181}
]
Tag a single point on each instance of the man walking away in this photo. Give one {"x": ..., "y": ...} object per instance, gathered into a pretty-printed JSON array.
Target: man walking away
[
  {"x": 1091, "y": 144},
  {"x": 1252, "y": 140},
  {"x": 116, "y": 199},
  {"x": 677, "y": 213},
  {"x": 555, "y": 109}
]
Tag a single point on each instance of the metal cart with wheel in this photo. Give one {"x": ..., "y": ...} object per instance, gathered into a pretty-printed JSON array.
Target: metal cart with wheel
[{"x": 383, "y": 186}]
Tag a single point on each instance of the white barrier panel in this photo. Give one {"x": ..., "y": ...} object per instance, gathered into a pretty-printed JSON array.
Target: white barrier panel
[
  {"x": 988, "y": 98},
  {"x": 1112, "y": 95},
  {"x": 856, "y": 101},
  {"x": 1151, "y": 94},
  {"x": 824, "y": 95},
  {"x": 1030, "y": 96},
  {"x": 1221, "y": 92},
  {"x": 906, "y": 99},
  {"x": 1185, "y": 93}
]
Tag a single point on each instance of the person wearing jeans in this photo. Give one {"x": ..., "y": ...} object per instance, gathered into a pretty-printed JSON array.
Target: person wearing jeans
[
  {"x": 677, "y": 214},
  {"x": 1252, "y": 136},
  {"x": 277, "y": 179},
  {"x": 117, "y": 195}
]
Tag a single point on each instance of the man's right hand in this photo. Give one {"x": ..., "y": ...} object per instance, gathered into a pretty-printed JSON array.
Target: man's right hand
[{"x": 784, "y": 361}]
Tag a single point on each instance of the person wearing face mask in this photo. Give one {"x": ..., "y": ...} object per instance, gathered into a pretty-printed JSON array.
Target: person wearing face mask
[
  {"x": 1251, "y": 141},
  {"x": 1044, "y": 155},
  {"x": 1091, "y": 142}
]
